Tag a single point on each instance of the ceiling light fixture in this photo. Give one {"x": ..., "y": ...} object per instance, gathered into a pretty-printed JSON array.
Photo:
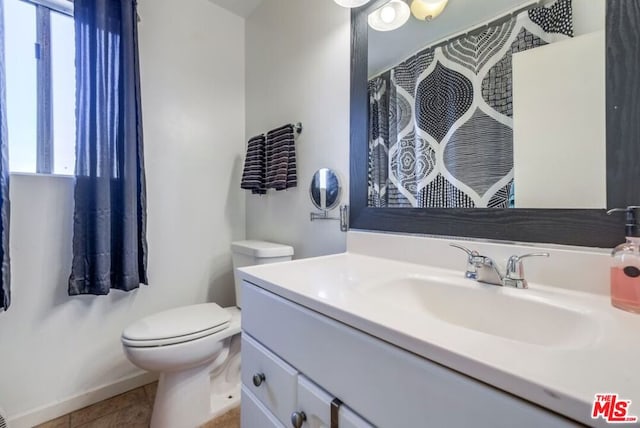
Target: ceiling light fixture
[
  {"x": 426, "y": 10},
  {"x": 351, "y": 3},
  {"x": 392, "y": 15}
]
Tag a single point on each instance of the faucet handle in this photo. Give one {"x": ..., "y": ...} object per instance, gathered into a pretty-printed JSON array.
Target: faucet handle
[
  {"x": 470, "y": 253},
  {"x": 514, "y": 276},
  {"x": 473, "y": 257}
]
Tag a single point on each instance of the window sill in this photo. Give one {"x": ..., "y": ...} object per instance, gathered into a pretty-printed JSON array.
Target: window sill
[{"x": 33, "y": 174}]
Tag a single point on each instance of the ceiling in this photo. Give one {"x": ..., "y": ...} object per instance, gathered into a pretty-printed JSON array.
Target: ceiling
[
  {"x": 389, "y": 48},
  {"x": 243, "y": 8}
]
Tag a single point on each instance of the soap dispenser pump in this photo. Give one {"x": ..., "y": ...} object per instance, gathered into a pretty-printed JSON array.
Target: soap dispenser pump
[{"x": 625, "y": 267}]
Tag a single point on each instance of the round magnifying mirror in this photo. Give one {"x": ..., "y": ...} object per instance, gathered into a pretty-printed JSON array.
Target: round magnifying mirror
[{"x": 325, "y": 189}]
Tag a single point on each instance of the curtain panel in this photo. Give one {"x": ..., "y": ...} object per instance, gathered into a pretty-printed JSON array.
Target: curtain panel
[
  {"x": 441, "y": 122},
  {"x": 109, "y": 234},
  {"x": 5, "y": 209}
]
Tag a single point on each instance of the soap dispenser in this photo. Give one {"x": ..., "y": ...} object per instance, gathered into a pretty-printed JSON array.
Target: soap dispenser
[{"x": 625, "y": 267}]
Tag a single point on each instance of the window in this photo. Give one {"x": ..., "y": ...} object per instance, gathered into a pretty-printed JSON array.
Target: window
[{"x": 40, "y": 67}]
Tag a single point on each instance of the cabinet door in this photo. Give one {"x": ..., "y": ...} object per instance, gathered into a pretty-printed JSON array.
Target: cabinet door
[
  {"x": 315, "y": 403},
  {"x": 254, "y": 414},
  {"x": 277, "y": 381}
]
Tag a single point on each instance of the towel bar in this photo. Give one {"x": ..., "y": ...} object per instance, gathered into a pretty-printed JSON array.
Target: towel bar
[{"x": 297, "y": 127}]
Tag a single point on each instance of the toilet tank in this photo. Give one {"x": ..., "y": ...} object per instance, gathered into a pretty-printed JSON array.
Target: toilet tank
[{"x": 251, "y": 253}]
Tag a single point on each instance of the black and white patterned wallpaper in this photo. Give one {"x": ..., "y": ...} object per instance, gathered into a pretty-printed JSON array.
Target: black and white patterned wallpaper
[{"x": 441, "y": 122}]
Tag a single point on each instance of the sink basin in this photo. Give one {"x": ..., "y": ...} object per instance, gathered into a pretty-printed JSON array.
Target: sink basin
[{"x": 520, "y": 315}]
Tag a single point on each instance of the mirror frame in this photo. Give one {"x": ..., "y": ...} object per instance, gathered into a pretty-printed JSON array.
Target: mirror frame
[{"x": 588, "y": 227}]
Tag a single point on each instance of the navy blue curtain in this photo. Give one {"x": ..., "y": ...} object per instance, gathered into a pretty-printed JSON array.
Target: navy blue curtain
[
  {"x": 5, "y": 273},
  {"x": 109, "y": 231}
]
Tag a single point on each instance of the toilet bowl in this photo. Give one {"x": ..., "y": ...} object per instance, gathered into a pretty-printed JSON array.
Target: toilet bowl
[{"x": 196, "y": 350}]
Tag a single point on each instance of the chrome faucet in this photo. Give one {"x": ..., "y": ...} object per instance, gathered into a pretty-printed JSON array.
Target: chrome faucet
[
  {"x": 473, "y": 260},
  {"x": 484, "y": 269}
]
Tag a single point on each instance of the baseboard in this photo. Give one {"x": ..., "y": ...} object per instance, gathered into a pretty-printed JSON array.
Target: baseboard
[{"x": 61, "y": 408}]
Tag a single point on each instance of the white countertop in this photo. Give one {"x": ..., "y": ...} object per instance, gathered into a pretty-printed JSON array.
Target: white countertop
[{"x": 563, "y": 377}]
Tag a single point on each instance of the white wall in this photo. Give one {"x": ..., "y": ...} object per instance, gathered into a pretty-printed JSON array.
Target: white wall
[
  {"x": 54, "y": 347},
  {"x": 559, "y": 120},
  {"x": 589, "y": 16},
  {"x": 298, "y": 70},
  {"x": 559, "y": 144}
]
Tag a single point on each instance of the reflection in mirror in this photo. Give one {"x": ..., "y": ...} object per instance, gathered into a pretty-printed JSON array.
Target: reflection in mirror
[
  {"x": 325, "y": 189},
  {"x": 491, "y": 105}
]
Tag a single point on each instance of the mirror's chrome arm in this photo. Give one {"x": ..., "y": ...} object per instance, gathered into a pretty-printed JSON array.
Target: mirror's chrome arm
[
  {"x": 515, "y": 271},
  {"x": 322, "y": 215},
  {"x": 343, "y": 219}
]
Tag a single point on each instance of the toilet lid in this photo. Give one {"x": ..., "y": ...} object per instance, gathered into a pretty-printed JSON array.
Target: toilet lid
[{"x": 185, "y": 323}]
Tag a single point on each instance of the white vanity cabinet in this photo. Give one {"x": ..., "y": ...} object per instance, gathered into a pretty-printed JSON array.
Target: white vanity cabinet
[{"x": 382, "y": 383}]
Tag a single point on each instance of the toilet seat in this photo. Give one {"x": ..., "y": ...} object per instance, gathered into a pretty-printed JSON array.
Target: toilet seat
[{"x": 177, "y": 326}]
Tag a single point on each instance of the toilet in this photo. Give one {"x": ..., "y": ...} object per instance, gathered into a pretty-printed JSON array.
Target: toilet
[{"x": 196, "y": 349}]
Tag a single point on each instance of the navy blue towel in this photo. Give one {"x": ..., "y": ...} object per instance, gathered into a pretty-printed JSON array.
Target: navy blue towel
[
  {"x": 254, "y": 173},
  {"x": 281, "y": 159}
]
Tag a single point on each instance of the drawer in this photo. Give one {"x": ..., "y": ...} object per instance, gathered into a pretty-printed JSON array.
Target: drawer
[
  {"x": 254, "y": 414},
  {"x": 316, "y": 405},
  {"x": 277, "y": 392}
]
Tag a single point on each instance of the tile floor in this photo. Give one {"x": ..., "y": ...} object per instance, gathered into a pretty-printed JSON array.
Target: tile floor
[{"x": 129, "y": 410}]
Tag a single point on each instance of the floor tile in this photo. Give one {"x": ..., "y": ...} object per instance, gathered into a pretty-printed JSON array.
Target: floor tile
[
  {"x": 231, "y": 419},
  {"x": 61, "y": 422},
  {"x": 108, "y": 421},
  {"x": 107, "y": 407},
  {"x": 150, "y": 390},
  {"x": 130, "y": 410},
  {"x": 136, "y": 416}
]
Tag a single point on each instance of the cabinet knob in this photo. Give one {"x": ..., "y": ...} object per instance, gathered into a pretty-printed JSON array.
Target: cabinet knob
[
  {"x": 258, "y": 379},
  {"x": 297, "y": 419}
]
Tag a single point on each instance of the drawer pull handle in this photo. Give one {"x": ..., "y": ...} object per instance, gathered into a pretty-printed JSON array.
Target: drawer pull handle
[
  {"x": 297, "y": 419},
  {"x": 258, "y": 379}
]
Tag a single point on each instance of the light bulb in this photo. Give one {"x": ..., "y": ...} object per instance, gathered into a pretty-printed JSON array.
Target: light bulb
[
  {"x": 388, "y": 14},
  {"x": 392, "y": 15},
  {"x": 351, "y": 3},
  {"x": 426, "y": 10}
]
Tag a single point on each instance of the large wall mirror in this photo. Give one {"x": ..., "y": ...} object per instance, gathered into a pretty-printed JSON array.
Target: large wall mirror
[{"x": 498, "y": 119}]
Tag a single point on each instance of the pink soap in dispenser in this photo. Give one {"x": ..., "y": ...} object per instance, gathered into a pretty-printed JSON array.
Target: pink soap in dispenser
[{"x": 625, "y": 268}]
